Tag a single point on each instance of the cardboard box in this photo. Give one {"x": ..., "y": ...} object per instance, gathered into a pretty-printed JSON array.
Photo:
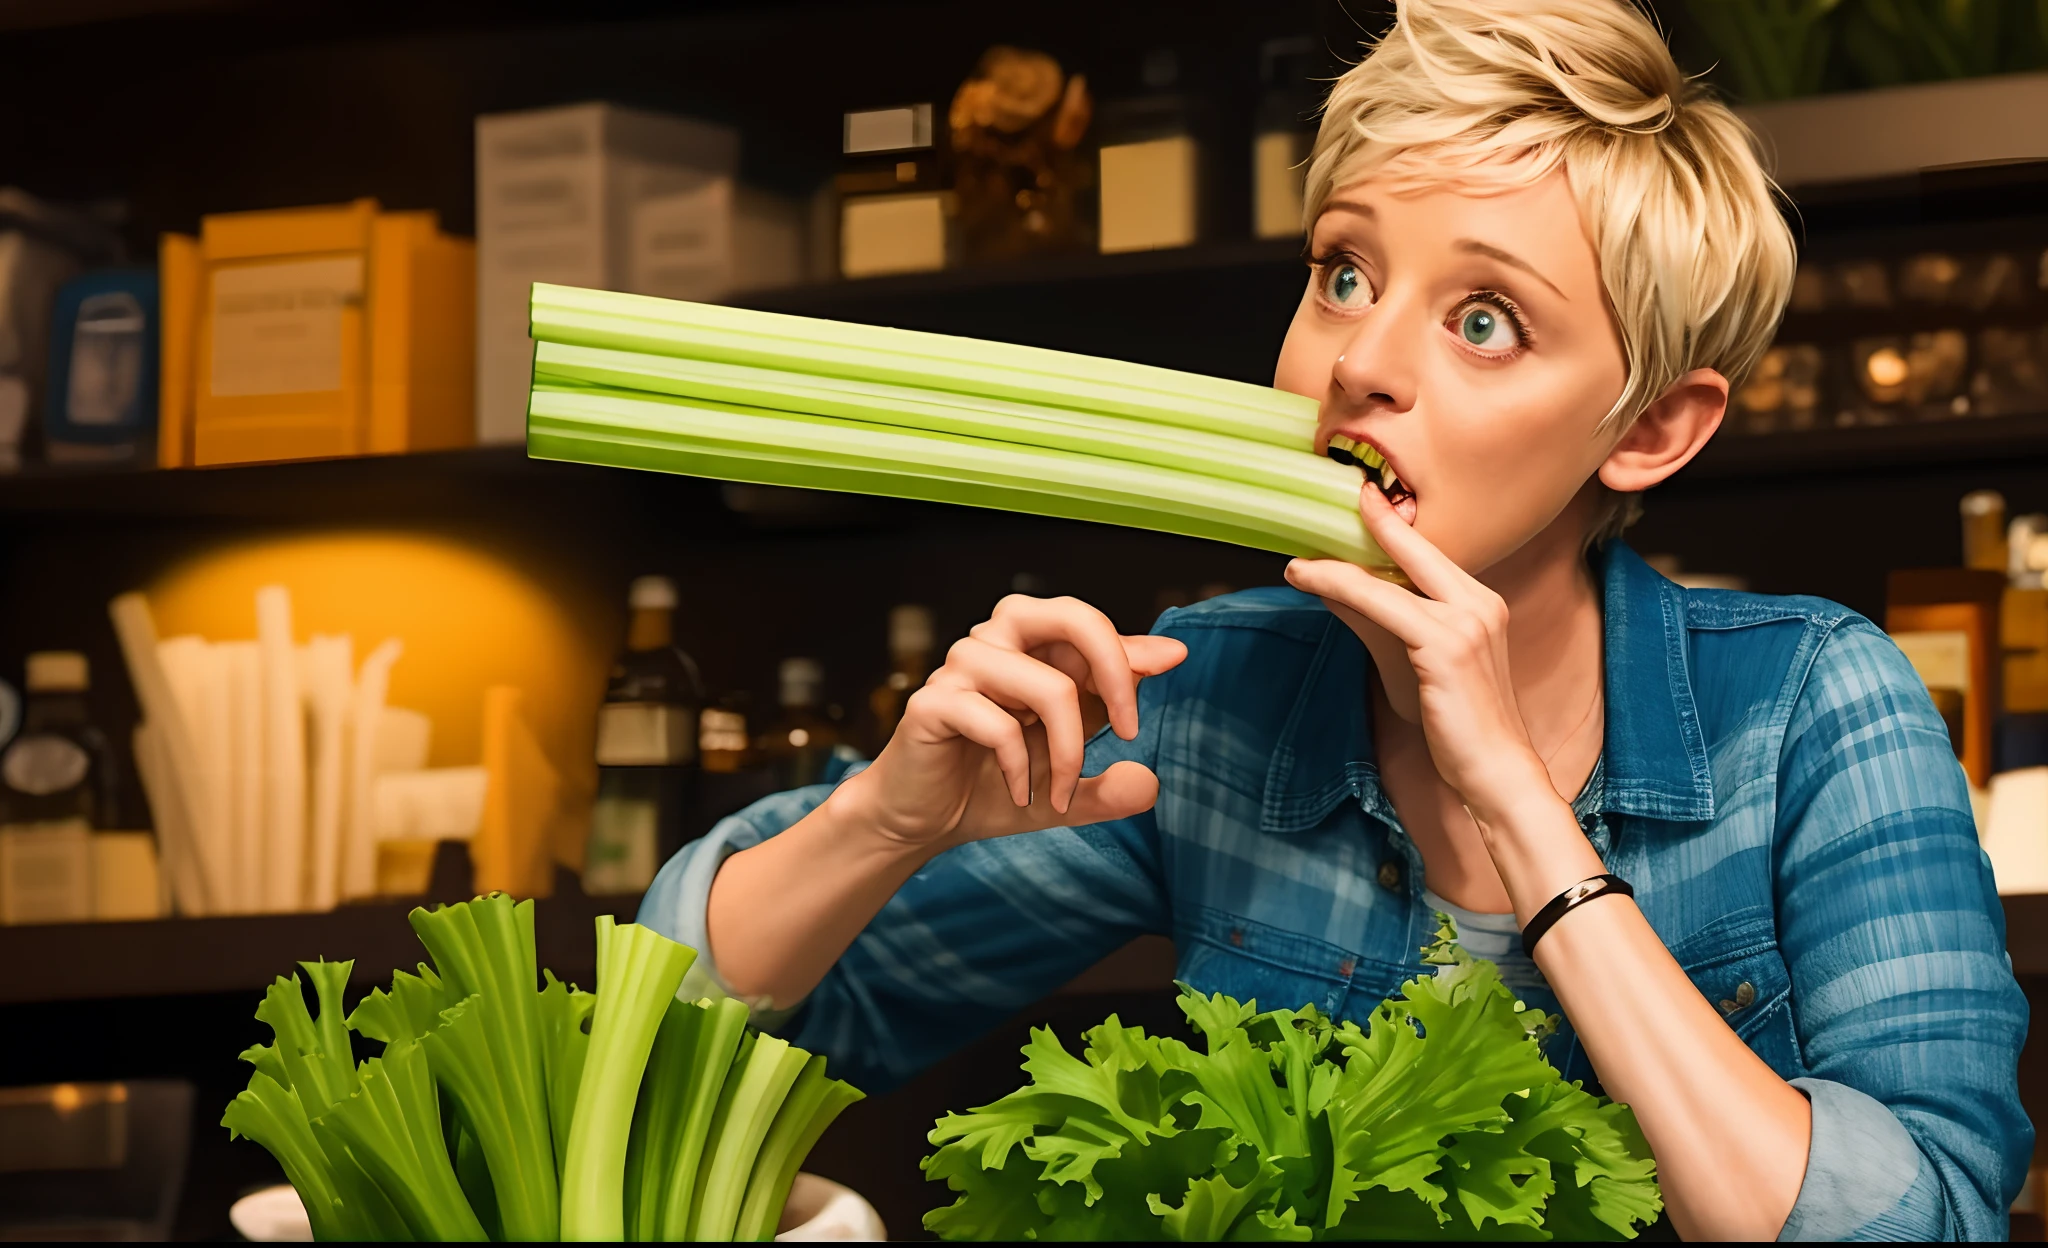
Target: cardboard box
[
  {"x": 315, "y": 332},
  {"x": 617, "y": 199}
]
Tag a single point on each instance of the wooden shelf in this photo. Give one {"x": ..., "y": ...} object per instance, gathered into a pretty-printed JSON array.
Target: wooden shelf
[
  {"x": 2026, "y": 932},
  {"x": 1990, "y": 439},
  {"x": 244, "y": 953}
]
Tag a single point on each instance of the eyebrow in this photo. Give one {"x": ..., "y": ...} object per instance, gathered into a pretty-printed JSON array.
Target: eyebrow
[{"x": 1476, "y": 247}]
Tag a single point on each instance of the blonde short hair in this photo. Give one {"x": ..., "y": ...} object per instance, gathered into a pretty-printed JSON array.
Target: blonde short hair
[{"x": 1695, "y": 256}]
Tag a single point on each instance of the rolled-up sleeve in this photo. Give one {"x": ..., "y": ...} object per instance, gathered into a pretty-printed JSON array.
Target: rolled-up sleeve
[
  {"x": 982, "y": 931},
  {"x": 1905, "y": 1008}
]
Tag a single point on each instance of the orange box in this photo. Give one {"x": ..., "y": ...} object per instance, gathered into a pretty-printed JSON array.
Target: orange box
[{"x": 315, "y": 332}]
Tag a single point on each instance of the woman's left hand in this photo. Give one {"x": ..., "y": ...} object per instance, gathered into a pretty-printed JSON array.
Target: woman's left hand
[{"x": 1456, "y": 634}]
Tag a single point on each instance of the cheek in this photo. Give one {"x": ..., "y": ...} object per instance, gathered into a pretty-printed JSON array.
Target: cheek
[
  {"x": 1518, "y": 446},
  {"x": 1307, "y": 357}
]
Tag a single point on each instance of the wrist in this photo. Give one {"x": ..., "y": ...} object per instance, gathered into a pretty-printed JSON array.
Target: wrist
[
  {"x": 853, "y": 819},
  {"x": 1517, "y": 790}
]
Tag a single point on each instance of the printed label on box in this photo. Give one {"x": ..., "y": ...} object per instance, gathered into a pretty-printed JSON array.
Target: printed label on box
[{"x": 277, "y": 327}]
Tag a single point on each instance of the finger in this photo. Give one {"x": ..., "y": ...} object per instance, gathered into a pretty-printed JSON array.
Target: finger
[
  {"x": 969, "y": 715},
  {"x": 1032, "y": 623},
  {"x": 1149, "y": 656},
  {"x": 1430, "y": 569},
  {"x": 1014, "y": 680},
  {"x": 1406, "y": 616},
  {"x": 1122, "y": 790}
]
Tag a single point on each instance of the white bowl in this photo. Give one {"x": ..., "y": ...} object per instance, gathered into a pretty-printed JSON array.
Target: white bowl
[{"x": 818, "y": 1209}]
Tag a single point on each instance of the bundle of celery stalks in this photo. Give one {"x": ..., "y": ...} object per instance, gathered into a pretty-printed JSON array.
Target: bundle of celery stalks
[
  {"x": 637, "y": 382},
  {"x": 500, "y": 1109}
]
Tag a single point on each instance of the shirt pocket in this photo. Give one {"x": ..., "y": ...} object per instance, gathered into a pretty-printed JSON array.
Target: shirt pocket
[
  {"x": 1751, "y": 989},
  {"x": 1249, "y": 960}
]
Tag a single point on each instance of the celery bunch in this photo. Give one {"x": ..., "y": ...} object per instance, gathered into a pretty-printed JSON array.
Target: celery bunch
[
  {"x": 637, "y": 382},
  {"x": 501, "y": 1110}
]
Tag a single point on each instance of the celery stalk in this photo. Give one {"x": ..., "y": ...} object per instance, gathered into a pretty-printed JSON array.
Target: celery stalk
[
  {"x": 301, "y": 1075},
  {"x": 671, "y": 433},
  {"x": 392, "y": 1125},
  {"x": 487, "y": 1052},
  {"x": 565, "y": 1031},
  {"x": 1293, "y": 470},
  {"x": 814, "y": 1101},
  {"x": 722, "y": 1029},
  {"x": 638, "y": 972},
  {"x": 576, "y": 317},
  {"x": 268, "y": 1113},
  {"x": 693, "y": 1050},
  {"x": 753, "y": 1093},
  {"x": 411, "y": 1009}
]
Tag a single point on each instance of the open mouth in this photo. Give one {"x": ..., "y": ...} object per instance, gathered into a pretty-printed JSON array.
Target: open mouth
[{"x": 1377, "y": 470}]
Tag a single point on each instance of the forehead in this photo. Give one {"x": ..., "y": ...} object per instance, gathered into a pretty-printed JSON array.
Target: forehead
[{"x": 1536, "y": 217}]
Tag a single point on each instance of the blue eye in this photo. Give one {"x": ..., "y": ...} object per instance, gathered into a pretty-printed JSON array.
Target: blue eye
[{"x": 1345, "y": 286}]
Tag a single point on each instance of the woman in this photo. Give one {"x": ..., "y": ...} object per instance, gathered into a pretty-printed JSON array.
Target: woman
[{"x": 1540, "y": 261}]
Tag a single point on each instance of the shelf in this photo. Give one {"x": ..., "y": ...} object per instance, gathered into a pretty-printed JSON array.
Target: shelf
[
  {"x": 2002, "y": 439},
  {"x": 244, "y": 953}
]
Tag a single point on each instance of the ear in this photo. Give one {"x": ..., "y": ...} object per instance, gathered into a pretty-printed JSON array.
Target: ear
[{"x": 1668, "y": 434}]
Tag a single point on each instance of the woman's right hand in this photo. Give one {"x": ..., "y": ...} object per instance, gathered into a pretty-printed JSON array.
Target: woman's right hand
[{"x": 992, "y": 744}]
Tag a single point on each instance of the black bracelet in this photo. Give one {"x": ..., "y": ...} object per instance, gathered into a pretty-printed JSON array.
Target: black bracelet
[{"x": 1577, "y": 895}]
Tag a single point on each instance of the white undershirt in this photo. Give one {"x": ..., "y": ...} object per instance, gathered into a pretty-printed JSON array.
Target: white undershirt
[{"x": 1494, "y": 937}]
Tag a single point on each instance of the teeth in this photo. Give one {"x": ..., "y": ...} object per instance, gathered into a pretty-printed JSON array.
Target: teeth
[{"x": 1388, "y": 480}]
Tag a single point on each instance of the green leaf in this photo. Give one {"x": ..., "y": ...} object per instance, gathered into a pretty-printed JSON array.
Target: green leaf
[
  {"x": 1604, "y": 1172},
  {"x": 1213, "y": 1207}
]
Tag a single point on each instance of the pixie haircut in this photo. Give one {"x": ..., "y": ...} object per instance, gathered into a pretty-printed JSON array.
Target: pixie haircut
[{"x": 1695, "y": 257}]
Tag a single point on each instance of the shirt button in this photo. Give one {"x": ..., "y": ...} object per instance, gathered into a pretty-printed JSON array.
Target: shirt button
[
  {"x": 1390, "y": 876},
  {"x": 1745, "y": 996}
]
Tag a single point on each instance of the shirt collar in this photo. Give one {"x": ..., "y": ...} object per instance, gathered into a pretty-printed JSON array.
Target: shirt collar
[{"x": 1653, "y": 762}]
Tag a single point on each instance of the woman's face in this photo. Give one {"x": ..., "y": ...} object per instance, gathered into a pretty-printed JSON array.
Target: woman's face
[{"x": 1462, "y": 332}]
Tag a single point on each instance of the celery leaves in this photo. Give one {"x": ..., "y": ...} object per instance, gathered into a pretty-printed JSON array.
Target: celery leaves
[{"x": 1441, "y": 1119}]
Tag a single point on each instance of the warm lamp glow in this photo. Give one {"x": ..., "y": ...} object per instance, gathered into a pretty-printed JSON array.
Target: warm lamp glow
[
  {"x": 468, "y": 620},
  {"x": 1885, "y": 367}
]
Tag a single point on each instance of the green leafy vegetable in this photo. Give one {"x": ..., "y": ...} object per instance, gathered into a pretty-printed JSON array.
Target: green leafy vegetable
[
  {"x": 1440, "y": 1120},
  {"x": 504, "y": 1112}
]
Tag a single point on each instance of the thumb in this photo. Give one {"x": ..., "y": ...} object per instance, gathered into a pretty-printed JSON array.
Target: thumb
[
  {"x": 1122, "y": 790},
  {"x": 1150, "y": 655}
]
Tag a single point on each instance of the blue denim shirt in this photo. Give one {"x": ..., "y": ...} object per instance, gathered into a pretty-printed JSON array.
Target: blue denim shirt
[{"x": 1775, "y": 782}]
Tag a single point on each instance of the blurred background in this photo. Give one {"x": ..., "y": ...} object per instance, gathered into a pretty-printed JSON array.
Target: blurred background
[{"x": 293, "y": 636}]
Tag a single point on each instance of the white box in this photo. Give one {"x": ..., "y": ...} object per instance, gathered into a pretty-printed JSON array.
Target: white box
[
  {"x": 1148, "y": 194},
  {"x": 614, "y": 198}
]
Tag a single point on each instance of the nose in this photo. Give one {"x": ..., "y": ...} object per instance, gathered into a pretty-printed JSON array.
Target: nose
[{"x": 1375, "y": 369}]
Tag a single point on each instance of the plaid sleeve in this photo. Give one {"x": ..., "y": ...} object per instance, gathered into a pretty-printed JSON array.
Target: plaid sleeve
[
  {"x": 1904, "y": 1002},
  {"x": 982, "y": 931}
]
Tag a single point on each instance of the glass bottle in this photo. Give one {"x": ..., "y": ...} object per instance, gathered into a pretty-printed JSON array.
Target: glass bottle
[
  {"x": 801, "y": 741},
  {"x": 910, "y": 661},
  {"x": 646, "y": 748},
  {"x": 54, "y": 788}
]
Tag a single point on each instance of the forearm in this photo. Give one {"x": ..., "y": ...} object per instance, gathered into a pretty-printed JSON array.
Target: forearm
[
  {"x": 1730, "y": 1136},
  {"x": 781, "y": 913}
]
